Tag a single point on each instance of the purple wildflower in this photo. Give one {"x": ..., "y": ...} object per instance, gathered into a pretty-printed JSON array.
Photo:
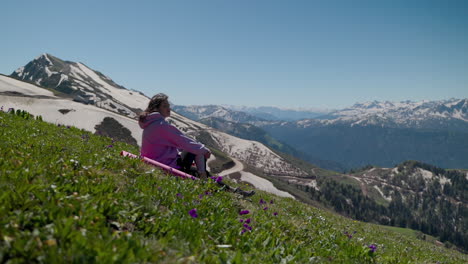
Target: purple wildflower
[
  {"x": 244, "y": 212},
  {"x": 68, "y": 127},
  {"x": 266, "y": 208},
  {"x": 271, "y": 202},
  {"x": 275, "y": 213},
  {"x": 248, "y": 227},
  {"x": 193, "y": 213},
  {"x": 243, "y": 231},
  {"x": 217, "y": 178},
  {"x": 247, "y": 221},
  {"x": 373, "y": 247},
  {"x": 241, "y": 220},
  {"x": 2, "y": 108},
  {"x": 180, "y": 195},
  {"x": 348, "y": 235},
  {"x": 262, "y": 201},
  {"x": 200, "y": 196},
  {"x": 110, "y": 146}
]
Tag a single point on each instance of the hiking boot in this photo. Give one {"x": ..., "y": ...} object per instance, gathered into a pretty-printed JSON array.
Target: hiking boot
[
  {"x": 244, "y": 193},
  {"x": 202, "y": 175}
]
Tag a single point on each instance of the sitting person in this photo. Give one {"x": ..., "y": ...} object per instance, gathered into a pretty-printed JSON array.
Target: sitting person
[{"x": 162, "y": 141}]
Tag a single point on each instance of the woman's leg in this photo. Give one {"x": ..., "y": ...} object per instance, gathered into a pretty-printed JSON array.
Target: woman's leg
[
  {"x": 187, "y": 160},
  {"x": 200, "y": 161}
]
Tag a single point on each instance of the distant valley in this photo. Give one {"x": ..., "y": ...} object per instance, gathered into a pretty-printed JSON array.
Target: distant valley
[{"x": 375, "y": 133}]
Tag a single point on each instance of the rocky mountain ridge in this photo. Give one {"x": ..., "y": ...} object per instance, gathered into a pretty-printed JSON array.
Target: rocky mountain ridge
[
  {"x": 84, "y": 84},
  {"x": 452, "y": 113}
]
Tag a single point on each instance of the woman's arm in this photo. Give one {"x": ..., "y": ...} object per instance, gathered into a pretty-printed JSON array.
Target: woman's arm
[{"x": 181, "y": 141}]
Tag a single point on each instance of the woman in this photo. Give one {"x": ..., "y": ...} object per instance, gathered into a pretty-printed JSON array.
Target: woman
[{"x": 162, "y": 141}]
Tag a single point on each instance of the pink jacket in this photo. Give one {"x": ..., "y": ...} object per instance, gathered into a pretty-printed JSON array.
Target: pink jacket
[{"x": 161, "y": 141}]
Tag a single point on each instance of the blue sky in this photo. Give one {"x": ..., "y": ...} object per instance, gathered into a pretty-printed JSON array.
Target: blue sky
[{"x": 313, "y": 54}]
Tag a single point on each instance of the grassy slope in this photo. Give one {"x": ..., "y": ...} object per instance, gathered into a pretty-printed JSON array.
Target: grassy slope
[{"x": 67, "y": 196}]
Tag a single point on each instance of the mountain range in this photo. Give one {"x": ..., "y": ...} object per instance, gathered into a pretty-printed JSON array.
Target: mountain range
[
  {"x": 69, "y": 93},
  {"x": 372, "y": 133},
  {"x": 279, "y": 114}
]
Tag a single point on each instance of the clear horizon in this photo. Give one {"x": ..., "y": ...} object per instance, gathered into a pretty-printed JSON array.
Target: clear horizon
[{"x": 299, "y": 54}]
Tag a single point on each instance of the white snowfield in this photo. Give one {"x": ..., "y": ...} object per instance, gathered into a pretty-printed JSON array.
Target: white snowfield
[
  {"x": 8, "y": 84},
  {"x": 255, "y": 154},
  {"x": 258, "y": 182},
  {"x": 80, "y": 115},
  {"x": 127, "y": 97}
]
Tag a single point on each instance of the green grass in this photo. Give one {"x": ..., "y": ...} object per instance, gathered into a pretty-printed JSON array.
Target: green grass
[{"x": 67, "y": 196}]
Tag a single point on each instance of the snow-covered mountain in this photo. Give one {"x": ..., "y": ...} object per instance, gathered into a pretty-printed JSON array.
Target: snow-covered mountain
[
  {"x": 451, "y": 113},
  {"x": 84, "y": 84},
  {"x": 244, "y": 114},
  {"x": 446, "y": 114},
  {"x": 383, "y": 134},
  {"x": 199, "y": 112},
  {"x": 277, "y": 113}
]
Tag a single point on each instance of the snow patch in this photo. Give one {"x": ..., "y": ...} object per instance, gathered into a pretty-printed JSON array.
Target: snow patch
[
  {"x": 48, "y": 72},
  {"x": 459, "y": 115},
  {"x": 313, "y": 183},
  {"x": 389, "y": 198},
  {"x": 47, "y": 59},
  {"x": 115, "y": 107},
  {"x": 262, "y": 184},
  {"x": 8, "y": 84},
  {"x": 134, "y": 100},
  {"x": 255, "y": 154},
  {"x": 451, "y": 104},
  {"x": 84, "y": 117},
  {"x": 427, "y": 175},
  {"x": 63, "y": 77},
  {"x": 77, "y": 73},
  {"x": 20, "y": 71},
  {"x": 256, "y": 181},
  {"x": 445, "y": 180}
]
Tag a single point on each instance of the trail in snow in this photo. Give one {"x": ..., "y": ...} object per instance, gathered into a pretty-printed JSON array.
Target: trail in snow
[{"x": 256, "y": 181}]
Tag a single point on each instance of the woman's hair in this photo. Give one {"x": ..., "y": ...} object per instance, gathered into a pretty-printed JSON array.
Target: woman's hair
[{"x": 153, "y": 105}]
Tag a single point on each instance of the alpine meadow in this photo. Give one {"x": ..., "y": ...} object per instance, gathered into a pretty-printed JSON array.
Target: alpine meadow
[{"x": 68, "y": 196}]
